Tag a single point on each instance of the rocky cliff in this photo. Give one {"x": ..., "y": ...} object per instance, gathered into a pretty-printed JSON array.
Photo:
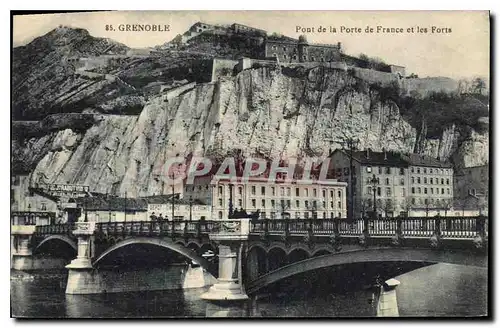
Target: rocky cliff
[{"x": 264, "y": 112}]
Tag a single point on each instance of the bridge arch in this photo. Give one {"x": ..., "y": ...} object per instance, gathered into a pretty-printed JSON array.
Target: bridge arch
[
  {"x": 369, "y": 255},
  {"x": 62, "y": 238},
  {"x": 167, "y": 244}
]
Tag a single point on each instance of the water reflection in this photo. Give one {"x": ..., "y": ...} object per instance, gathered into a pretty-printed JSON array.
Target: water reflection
[{"x": 437, "y": 290}]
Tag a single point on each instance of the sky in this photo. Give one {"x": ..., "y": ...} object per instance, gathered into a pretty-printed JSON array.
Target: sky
[{"x": 460, "y": 50}]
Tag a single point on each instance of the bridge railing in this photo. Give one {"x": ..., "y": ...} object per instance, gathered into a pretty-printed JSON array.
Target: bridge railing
[
  {"x": 412, "y": 227},
  {"x": 55, "y": 229}
]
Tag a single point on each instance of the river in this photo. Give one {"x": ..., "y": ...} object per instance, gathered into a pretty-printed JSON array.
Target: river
[{"x": 435, "y": 290}]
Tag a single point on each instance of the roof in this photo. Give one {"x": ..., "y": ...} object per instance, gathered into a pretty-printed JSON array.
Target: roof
[
  {"x": 424, "y": 160},
  {"x": 369, "y": 157},
  {"x": 112, "y": 203},
  {"x": 389, "y": 158}
]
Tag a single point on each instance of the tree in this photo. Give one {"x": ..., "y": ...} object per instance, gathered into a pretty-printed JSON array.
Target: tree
[
  {"x": 386, "y": 205},
  {"x": 478, "y": 84},
  {"x": 283, "y": 206},
  {"x": 407, "y": 205},
  {"x": 428, "y": 206},
  {"x": 364, "y": 205},
  {"x": 446, "y": 205}
]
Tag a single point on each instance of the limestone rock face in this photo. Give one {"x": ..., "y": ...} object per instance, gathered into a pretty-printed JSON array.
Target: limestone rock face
[{"x": 262, "y": 112}]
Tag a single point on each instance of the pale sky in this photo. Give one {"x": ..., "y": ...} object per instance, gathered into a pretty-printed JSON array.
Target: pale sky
[{"x": 463, "y": 52}]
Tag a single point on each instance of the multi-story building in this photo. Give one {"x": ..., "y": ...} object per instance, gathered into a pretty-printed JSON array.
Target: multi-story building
[
  {"x": 290, "y": 50},
  {"x": 471, "y": 189},
  {"x": 405, "y": 184},
  {"x": 293, "y": 199}
]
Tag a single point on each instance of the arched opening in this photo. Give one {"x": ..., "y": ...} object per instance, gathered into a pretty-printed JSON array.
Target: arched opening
[
  {"x": 55, "y": 247},
  {"x": 256, "y": 263},
  {"x": 297, "y": 255},
  {"x": 277, "y": 258},
  {"x": 321, "y": 252}
]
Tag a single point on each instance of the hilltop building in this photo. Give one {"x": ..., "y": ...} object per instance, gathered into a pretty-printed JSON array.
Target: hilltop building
[{"x": 297, "y": 51}]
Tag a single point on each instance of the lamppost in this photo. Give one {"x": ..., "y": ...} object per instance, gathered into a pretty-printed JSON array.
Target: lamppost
[
  {"x": 172, "y": 176},
  {"x": 374, "y": 181},
  {"x": 190, "y": 207},
  {"x": 351, "y": 144},
  {"x": 231, "y": 200}
]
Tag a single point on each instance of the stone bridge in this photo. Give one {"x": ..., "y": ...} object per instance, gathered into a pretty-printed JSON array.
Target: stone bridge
[{"x": 249, "y": 254}]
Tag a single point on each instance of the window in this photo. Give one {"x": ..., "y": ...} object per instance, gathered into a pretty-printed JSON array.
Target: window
[
  {"x": 253, "y": 203},
  {"x": 419, "y": 190},
  {"x": 282, "y": 203},
  {"x": 240, "y": 191},
  {"x": 430, "y": 171},
  {"x": 448, "y": 189},
  {"x": 379, "y": 170},
  {"x": 379, "y": 191},
  {"x": 387, "y": 181},
  {"x": 388, "y": 191},
  {"x": 418, "y": 179},
  {"x": 314, "y": 204},
  {"x": 431, "y": 181},
  {"x": 288, "y": 191},
  {"x": 273, "y": 191},
  {"x": 297, "y": 204},
  {"x": 418, "y": 170},
  {"x": 263, "y": 203},
  {"x": 43, "y": 206},
  {"x": 315, "y": 193},
  {"x": 304, "y": 57},
  {"x": 274, "y": 47},
  {"x": 447, "y": 181},
  {"x": 369, "y": 190},
  {"x": 425, "y": 179},
  {"x": 312, "y": 58},
  {"x": 220, "y": 190},
  {"x": 368, "y": 169},
  {"x": 425, "y": 170},
  {"x": 220, "y": 201},
  {"x": 263, "y": 191},
  {"x": 324, "y": 193},
  {"x": 403, "y": 192},
  {"x": 412, "y": 179},
  {"x": 346, "y": 171},
  {"x": 402, "y": 182},
  {"x": 306, "y": 204},
  {"x": 339, "y": 205},
  {"x": 297, "y": 192},
  {"x": 425, "y": 191},
  {"x": 442, "y": 191},
  {"x": 282, "y": 191},
  {"x": 401, "y": 171},
  {"x": 284, "y": 56},
  {"x": 323, "y": 204},
  {"x": 284, "y": 48},
  {"x": 288, "y": 203},
  {"x": 294, "y": 57},
  {"x": 331, "y": 193},
  {"x": 331, "y": 204},
  {"x": 388, "y": 170},
  {"x": 253, "y": 190},
  {"x": 412, "y": 190},
  {"x": 220, "y": 215},
  {"x": 307, "y": 192},
  {"x": 413, "y": 201},
  {"x": 273, "y": 215},
  {"x": 339, "y": 194},
  {"x": 240, "y": 203},
  {"x": 442, "y": 181},
  {"x": 412, "y": 170},
  {"x": 273, "y": 203}
]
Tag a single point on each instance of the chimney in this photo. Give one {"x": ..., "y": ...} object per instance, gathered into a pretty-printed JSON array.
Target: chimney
[
  {"x": 385, "y": 154},
  {"x": 367, "y": 153}
]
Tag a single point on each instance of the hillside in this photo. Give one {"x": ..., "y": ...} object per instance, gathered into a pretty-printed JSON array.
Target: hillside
[{"x": 116, "y": 133}]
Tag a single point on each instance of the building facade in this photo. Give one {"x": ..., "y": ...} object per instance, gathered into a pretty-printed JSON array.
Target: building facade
[
  {"x": 321, "y": 199},
  {"x": 403, "y": 184},
  {"x": 289, "y": 50},
  {"x": 471, "y": 189}
]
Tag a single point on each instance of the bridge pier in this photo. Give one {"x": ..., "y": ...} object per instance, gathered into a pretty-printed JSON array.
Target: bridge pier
[
  {"x": 80, "y": 270},
  {"x": 388, "y": 302},
  {"x": 230, "y": 236},
  {"x": 22, "y": 254}
]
